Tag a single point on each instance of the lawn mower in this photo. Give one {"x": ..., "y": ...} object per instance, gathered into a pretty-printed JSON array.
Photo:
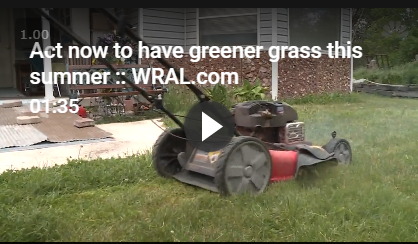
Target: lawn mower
[
  {"x": 269, "y": 143},
  {"x": 271, "y": 147}
]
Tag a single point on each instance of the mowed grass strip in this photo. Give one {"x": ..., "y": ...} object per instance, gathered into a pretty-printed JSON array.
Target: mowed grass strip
[{"x": 373, "y": 199}]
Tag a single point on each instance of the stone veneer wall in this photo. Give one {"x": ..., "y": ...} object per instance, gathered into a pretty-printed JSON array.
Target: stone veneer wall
[
  {"x": 297, "y": 77},
  {"x": 303, "y": 76}
]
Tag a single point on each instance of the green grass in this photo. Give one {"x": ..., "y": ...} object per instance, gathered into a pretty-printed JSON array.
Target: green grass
[
  {"x": 324, "y": 99},
  {"x": 373, "y": 199},
  {"x": 402, "y": 74}
]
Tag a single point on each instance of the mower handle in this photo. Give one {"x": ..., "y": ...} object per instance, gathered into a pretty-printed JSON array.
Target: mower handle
[
  {"x": 123, "y": 28},
  {"x": 80, "y": 41},
  {"x": 199, "y": 94}
]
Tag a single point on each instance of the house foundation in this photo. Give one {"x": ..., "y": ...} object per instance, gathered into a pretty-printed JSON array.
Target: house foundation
[{"x": 296, "y": 76}]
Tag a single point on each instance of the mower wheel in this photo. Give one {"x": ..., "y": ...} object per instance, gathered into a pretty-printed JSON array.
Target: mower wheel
[
  {"x": 341, "y": 148},
  {"x": 244, "y": 166},
  {"x": 165, "y": 151}
]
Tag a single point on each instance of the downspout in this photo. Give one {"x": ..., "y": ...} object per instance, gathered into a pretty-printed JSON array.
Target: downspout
[
  {"x": 351, "y": 44},
  {"x": 140, "y": 27},
  {"x": 49, "y": 87},
  {"x": 274, "y": 65},
  {"x": 185, "y": 29}
]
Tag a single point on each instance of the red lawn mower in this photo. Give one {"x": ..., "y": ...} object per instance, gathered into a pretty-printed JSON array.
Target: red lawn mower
[
  {"x": 269, "y": 143},
  {"x": 271, "y": 147}
]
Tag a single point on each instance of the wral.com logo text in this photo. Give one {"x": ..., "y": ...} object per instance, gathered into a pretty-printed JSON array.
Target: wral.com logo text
[{"x": 140, "y": 76}]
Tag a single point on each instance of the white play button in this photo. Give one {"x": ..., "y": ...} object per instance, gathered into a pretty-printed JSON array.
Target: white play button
[{"x": 209, "y": 126}]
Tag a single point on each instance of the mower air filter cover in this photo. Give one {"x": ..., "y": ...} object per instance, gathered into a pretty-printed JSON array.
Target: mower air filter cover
[{"x": 266, "y": 114}]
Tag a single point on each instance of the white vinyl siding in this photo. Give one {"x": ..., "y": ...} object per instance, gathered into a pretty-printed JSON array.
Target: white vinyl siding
[
  {"x": 188, "y": 27},
  {"x": 265, "y": 27},
  {"x": 164, "y": 26},
  {"x": 282, "y": 27},
  {"x": 191, "y": 28},
  {"x": 345, "y": 26}
]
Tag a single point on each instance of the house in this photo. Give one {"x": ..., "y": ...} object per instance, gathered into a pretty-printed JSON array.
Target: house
[{"x": 190, "y": 27}]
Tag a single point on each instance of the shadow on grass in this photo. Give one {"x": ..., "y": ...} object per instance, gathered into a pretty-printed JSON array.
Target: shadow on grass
[{"x": 310, "y": 176}]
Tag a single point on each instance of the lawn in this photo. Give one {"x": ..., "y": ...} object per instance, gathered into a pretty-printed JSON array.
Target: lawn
[
  {"x": 406, "y": 74},
  {"x": 373, "y": 199}
]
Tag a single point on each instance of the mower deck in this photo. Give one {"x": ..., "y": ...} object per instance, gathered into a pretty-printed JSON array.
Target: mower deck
[
  {"x": 246, "y": 165},
  {"x": 201, "y": 171},
  {"x": 196, "y": 179}
]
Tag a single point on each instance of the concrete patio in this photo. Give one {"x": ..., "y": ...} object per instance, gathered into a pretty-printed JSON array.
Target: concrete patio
[{"x": 129, "y": 138}]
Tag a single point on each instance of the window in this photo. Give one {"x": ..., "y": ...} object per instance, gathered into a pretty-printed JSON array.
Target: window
[
  {"x": 314, "y": 26},
  {"x": 227, "y": 26},
  {"x": 28, "y": 20},
  {"x": 63, "y": 15}
]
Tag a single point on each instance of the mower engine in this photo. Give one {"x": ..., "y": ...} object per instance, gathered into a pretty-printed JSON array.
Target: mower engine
[
  {"x": 270, "y": 122},
  {"x": 272, "y": 147},
  {"x": 275, "y": 123}
]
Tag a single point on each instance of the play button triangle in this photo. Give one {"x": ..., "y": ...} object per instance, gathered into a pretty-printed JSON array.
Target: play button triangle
[{"x": 209, "y": 126}]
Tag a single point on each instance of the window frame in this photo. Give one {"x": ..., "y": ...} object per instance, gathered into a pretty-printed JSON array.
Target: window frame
[
  {"x": 62, "y": 14},
  {"x": 198, "y": 18},
  {"x": 322, "y": 51}
]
